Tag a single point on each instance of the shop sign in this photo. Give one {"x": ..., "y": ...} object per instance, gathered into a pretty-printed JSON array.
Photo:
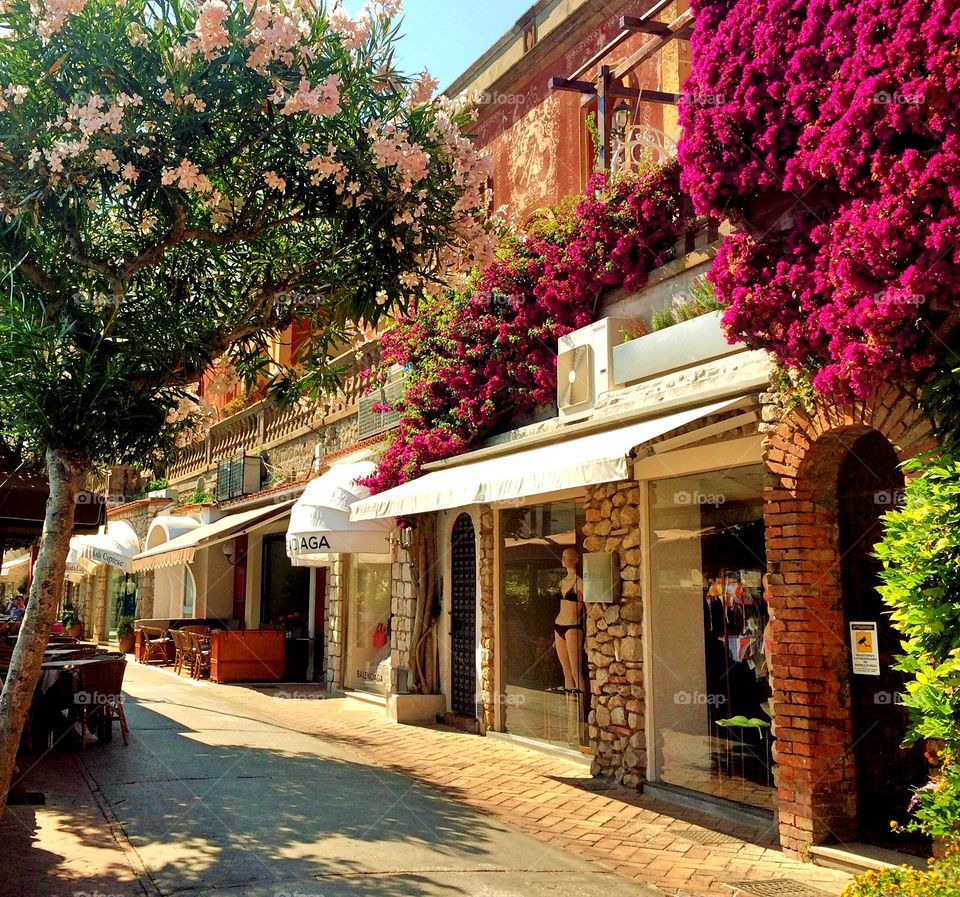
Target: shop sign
[
  {"x": 307, "y": 544},
  {"x": 864, "y": 649},
  {"x": 599, "y": 578}
]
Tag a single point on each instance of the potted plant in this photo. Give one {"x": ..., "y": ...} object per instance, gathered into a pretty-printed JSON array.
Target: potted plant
[
  {"x": 72, "y": 622},
  {"x": 125, "y": 634}
]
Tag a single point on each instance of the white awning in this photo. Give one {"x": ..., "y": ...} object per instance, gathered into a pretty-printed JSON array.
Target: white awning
[
  {"x": 181, "y": 549},
  {"x": 115, "y": 545},
  {"x": 572, "y": 463},
  {"x": 15, "y": 568},
  {"x": 320, "y": 525},
  {"x": 78, "y": 567}
]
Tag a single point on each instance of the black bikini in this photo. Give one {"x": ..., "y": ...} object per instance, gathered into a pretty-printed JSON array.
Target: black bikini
[{"x": 571, "y": 595}]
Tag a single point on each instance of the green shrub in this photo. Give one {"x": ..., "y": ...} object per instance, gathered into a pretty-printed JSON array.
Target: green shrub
[
  {"x": 921, "y": 574},
  {"x": 700, "y": 300}
]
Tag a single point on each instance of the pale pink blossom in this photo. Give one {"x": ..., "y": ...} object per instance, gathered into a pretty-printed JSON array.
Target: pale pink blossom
[
  {"x": 324, "y": 99},
  {"x": 422, "y": 89},
  {"x": 17, "y": 93},
  {"x": 54, "y": 14},
  {"x": 274, "y": 180},
  {"x": 130, "y": 172},
  {"x": 187, "y": 176},
  {"x": 210, "y": 30},
  {"x": 107, "y": 159}
]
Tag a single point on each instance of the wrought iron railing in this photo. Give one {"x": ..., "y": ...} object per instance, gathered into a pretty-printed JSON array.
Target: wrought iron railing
[{"x": 261, "y": 425}]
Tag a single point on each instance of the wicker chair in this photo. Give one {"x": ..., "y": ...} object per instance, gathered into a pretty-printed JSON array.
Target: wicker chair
[
  {"x": 184, "y": 651},
  {"x": 101, "y": 683},
  {"x": 153, "y": 644},
  {"x": 200, "y": 645}
]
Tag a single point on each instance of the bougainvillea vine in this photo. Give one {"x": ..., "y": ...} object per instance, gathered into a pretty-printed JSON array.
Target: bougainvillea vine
[
  {"x": 477, "y": 358},
  {"x": 828, "y": 131}
]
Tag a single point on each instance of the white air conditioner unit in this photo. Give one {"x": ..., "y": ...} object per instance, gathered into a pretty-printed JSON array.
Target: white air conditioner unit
[
  {"x": 370, "y": 422},
  {"x": 585, "y": 367}
]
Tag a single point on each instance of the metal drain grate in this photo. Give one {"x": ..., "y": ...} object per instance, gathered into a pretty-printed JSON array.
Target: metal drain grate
[
  {"x": 778, "y": 887},
  {"x": 706, "y": 837}
]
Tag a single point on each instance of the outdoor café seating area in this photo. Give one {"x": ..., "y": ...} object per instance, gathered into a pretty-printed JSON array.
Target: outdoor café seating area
[
  {"x": 207, "y": 649},
  {"x": 78, "y": 696}
]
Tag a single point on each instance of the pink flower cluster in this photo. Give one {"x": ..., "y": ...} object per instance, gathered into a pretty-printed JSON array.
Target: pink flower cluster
[
  {"x": 828, "y": 129},
  {"x": 210, "y": 31},
  {"x": 487, "y": 356},
  {"x": 324, "y": 99}
]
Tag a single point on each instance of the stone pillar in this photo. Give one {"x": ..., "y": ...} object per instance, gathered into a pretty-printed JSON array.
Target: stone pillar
[
  {"x": 486, "y": 560},
  {"x": 402, "y": 610},
  {"x": 145, "y": 588},
  {"x": 334, "y": 625},
  {"x": 614, "y": 638}
]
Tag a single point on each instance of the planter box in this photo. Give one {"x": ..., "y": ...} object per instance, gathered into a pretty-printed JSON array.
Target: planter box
[
  {"x": 684, "y": 345},
  {"x": 163, "y": 493},
  {"x": 247, "y": 655},
  {"x": 415, "y": 708}
]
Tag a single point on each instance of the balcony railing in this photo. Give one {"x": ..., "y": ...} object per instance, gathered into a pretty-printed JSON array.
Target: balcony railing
[{"x": 262, "y": 425}]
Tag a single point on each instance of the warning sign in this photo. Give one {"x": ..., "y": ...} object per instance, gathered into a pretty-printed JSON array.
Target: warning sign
[{"x": 864, "y": 649}]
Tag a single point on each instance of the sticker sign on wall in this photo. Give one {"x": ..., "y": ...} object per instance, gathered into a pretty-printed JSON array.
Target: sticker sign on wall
[{"x": 864, "y": 649}]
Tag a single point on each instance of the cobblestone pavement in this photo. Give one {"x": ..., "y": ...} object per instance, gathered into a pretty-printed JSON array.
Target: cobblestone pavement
[{"x": 549, "y": 797}]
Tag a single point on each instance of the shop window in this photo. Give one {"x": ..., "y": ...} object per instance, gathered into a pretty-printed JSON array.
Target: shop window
[
  {"x": 121, "y": 598},
  {"x": 712, "y": 698},
  {"x": 542, "y": 631},
  {"x": 368, "y": 625}
]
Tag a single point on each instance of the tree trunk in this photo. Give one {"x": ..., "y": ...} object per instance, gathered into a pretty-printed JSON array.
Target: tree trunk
[{"x": 64, "y": 473}]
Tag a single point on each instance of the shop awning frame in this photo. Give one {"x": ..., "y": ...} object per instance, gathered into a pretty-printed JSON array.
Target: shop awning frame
[
  {"x": 320, "y": 525},
  {"x": 183, "y": 548},
  {"x": 116, "y": 545},
  {"x": 587, "y": 460}
]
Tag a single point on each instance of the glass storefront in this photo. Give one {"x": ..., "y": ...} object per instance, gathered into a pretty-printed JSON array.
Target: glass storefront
[
  {"x": 712, "y": 696},
  {"x": 121, "y": 599},
  {"x": 285, "y": 604},
  {"x": 368, "y": 624},
  {"x": 546, "y": 692}
]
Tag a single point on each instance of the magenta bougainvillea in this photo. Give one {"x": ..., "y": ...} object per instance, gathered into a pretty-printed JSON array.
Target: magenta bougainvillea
[
  {"x": 829, "y": 131},
  {"x": 477, "y": 358}
]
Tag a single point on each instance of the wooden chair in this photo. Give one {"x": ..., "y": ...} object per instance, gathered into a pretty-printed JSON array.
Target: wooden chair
[
  {"x": 197, "y": 628},
  {"x": 200, "y": 646},
  {"x": 101, "y": 685},
  {"x": 184, "y": 651},
  {"x": 153, "y": 644}
]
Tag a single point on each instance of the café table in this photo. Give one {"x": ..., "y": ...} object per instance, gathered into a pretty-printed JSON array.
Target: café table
[{"x": 61, "y": 681}]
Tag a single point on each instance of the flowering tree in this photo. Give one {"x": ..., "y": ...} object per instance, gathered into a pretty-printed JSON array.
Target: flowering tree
[
  {"x": 478, "y": 356},
  {"x": 828, "y": 129},
  {"x": 179, "y": 181}
]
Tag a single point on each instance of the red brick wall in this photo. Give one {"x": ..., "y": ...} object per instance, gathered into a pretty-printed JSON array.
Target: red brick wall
[
  {"x": 810, "y": 659},
  {"x": 537, "y": 138}
]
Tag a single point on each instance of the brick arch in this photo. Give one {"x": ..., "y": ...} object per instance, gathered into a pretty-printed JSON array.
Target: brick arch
[{"x": 813, "y": 726}]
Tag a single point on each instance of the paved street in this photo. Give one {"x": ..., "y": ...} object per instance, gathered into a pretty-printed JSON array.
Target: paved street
[{"x": 235, "y": 790}]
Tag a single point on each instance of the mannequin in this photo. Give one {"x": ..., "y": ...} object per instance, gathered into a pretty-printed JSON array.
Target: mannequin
[{"x": 568, "y": 629}]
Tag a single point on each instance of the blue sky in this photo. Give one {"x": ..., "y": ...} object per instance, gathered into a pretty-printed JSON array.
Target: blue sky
[{"x": 447, "y": 35}]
